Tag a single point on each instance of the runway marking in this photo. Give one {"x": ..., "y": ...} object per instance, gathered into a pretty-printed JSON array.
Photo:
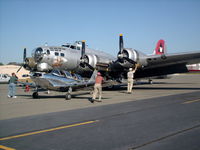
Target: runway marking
[
  {"x": 47, "y": 130},
  {"x": 192, "y": 101},
  {"x": 6, "y": 148}
]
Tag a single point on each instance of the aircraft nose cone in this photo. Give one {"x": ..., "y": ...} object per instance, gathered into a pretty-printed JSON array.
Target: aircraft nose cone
[{"x": 38, "y": 54}]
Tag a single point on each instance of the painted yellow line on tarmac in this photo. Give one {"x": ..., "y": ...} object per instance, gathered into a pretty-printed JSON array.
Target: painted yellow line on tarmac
[
  {"x": 6, "y": 148},
  {"x": 188, "y": 102},
  {"x": 47, "y": 130}
]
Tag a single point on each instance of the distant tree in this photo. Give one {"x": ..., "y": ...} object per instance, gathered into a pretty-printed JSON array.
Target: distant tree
[
  {"x": 14, "y": 63},
  {"x": 1, "y": 64}
]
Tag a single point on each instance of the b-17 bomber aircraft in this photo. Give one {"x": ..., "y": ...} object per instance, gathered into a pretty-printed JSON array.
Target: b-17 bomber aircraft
[
  {"x": 79, "y": 58},
  {"x": 61, "y": 81}
]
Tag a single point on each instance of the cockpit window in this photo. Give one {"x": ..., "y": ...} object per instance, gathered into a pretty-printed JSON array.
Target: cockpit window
[
  {"x": 62, "y": 54},
  {"x": 38, "y": 54},
  {"x": 39, "y": 50},
  {"x": 65, "y": 45},
  {"x": 56, "y": 54}
]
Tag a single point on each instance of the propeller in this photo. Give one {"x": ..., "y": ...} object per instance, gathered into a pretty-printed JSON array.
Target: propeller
[
  {"x": 121, "y": 44},
  {"x": 121, "y": 47},
  {"x": 84, "y": 59},
  {"x": 122, "y": 55},
  {"x": 24, "y": 58},
  {"x": 83, "y": 49}
]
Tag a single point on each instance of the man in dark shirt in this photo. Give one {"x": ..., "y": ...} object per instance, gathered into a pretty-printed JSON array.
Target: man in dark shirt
[{"x": 12, "y": 86}]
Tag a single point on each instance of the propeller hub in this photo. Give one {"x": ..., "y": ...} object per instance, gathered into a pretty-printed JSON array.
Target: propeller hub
[{"x": 120, "y": 56}]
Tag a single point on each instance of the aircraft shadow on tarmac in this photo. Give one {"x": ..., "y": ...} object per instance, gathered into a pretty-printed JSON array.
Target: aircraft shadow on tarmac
[
  {"x": 43, "y": 95},
  {"x": 123, "y": 89},
  {"x": 46, "y": 96},
  {"x": 166, "y": 88}
]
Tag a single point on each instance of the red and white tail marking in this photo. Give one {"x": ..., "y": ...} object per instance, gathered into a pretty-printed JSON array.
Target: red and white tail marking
[{"x": 160, "y": 48}]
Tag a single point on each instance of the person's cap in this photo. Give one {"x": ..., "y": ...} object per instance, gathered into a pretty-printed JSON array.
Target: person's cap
[
  {"x": 130, "y": 69},
  {"x": 98, "y": 73}
]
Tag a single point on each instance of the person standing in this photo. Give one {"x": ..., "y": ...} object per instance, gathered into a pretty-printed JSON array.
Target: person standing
[
  {"x": 97, "y": 88},
  {"x": 130, "y": 76},
  {"x": 12, "y": 86}
]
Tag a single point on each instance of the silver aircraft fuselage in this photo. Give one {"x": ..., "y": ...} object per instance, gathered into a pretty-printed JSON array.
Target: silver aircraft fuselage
[{"x": 67, "y": 57}]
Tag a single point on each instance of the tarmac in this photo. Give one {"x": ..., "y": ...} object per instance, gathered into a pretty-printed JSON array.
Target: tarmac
[
  {"x": 25, "y": 105},
  {"x": 163, "y": 115}
]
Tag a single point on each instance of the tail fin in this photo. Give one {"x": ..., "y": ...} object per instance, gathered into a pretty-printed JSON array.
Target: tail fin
[{"x": 160, "y": 48}]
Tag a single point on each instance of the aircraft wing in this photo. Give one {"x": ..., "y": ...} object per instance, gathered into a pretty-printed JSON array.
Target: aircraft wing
[
  {"x": 157, "y": 65},
  {"x": 164, "y": 60},
  {"x": 74, "y": 83},
  {"x": 151, "y": 65},
  {"x": 19, "y": 83}
]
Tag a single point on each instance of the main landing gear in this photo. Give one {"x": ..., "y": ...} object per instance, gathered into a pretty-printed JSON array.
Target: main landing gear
[
  {"x": 68, "y": 94},
  {"x": 35, "y": 95}
]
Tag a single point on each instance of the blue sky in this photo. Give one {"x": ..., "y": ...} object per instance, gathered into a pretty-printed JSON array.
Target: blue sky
[{"x": 31, "y": 23}]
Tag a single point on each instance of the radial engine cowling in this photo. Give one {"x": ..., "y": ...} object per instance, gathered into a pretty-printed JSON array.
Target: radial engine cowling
[
  {"x": 30, "y": 63},
  {"x": 128, "y": 57},
  {"x": 88, "y": 62}
]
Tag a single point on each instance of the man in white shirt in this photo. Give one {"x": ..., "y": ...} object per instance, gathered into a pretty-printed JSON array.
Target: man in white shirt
[{"x": 130, "y": 76}]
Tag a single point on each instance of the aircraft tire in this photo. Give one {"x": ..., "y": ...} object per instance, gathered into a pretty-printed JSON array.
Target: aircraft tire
[
  {"x": 68, "y": 96},
  {"x": 35, "y": 95}
]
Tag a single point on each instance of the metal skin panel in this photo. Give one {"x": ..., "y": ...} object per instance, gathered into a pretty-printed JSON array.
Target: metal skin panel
[
  {"x": 50, "y": 81},
  {"x": 112, "y": 67},
  {"x": 71, "y": 59},
  {"x": 172, "y": 59}
]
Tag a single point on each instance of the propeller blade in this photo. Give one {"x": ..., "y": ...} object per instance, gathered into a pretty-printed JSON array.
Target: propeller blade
[
  {"x": 19, "y": 68},
  {"x": 89, "y": 66},
  {"x": 121, "y": 44},
  {"x": 24, "y": 57},
  {"x": 129, "y": 60},
  {"x": 83, "y": 49}
]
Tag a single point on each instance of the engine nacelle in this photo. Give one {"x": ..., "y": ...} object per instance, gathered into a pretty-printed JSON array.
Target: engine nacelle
[
  {"x": 88, "y": 62},
  {"x": 30, "y": 63},
  {"x": 129, "y": 57}
]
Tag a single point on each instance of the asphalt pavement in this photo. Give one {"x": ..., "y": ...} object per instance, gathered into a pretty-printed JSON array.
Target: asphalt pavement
[{"x": 150, "y": 118}]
